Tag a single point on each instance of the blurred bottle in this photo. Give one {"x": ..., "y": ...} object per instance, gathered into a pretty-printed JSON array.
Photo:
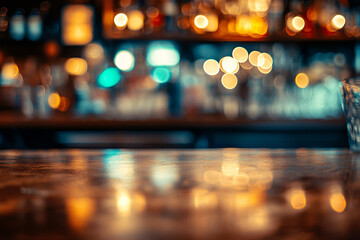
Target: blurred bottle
[
  {"x": 10, "y": 83},
  {"x": 17, "y": 25},
  {"x": 4, "y": 22},
  {"x": 170, "y": 11},
  {"x": 35, "y": 26},
  {"x": 275, "y": 17}
]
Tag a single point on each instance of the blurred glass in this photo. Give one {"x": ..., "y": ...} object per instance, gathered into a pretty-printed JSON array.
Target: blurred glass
[
  {"x": 77, "y": 24},
  {"x": 350, "y": 91}
]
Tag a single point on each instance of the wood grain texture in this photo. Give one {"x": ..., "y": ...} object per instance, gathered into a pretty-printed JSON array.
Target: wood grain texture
[{"x": 186, "y": 194}]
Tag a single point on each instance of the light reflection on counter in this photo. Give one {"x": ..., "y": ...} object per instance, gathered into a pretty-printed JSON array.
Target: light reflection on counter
[
  {"x": 79, "y": 212},
  {"x": 337, "y": 202},
  {"x": 120, "y": 166},
  {"x": 164, "y": 173},
  {"x": 123, "y": 203},
  {"x": 336, "y": 199},
  {"x": 251, "y": 194},
  {"x": 297, "y": 199}
]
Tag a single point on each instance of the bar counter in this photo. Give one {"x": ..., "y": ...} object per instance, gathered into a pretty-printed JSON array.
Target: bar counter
[
  {"x": 180, "y": 194},
  {"x": 57, "y": 132}
]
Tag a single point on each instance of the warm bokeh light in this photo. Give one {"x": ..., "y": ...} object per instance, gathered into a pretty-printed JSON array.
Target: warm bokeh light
[
  {"x": 337, "y": 202},
  {"x": 77, "y": 24},
  {"x": 76, "y": 66},
  {"x": 121, "y": 20},
  {"x": 302, "y": 80},
  {"x": 54, "y": 100},
  {"x": 295, "y": 24},
  {"x": 259, "y": 27},
  {"x": 265, "y": 61},
  {"x": 211, "y": 67},
  {"x": 264, "y": 70},
  {"x": 135, "y": 20},
  {"x": 243, "y": 24},
  {"x": 248, "y": 199},
  {"x": 297, "y": 199},
  {"x": 51, "y": 48},
  {"x": 253, "y": 57},
  {"x": 229, "y": 167},
  {"x": 213, "y": 22},
  {"x": 124, "y": 60},
  {"x": 138, "y": 202},
  {"x": 161, "y": 74},
  {"x": 312, "y": 14},
  {"x": 253, "y": 26},
  {"x": 240, "y": 54},
  {"x": 123, "y": 203},
  {"x": 94, "y": 52},
  {"x": 79, "y": 212},
  {"x": 259, "y": 6},
  {"x": 201, "y": 21},
  {"x": 10, "y": 71},
  {"x": 338, "y": 22},
  {"x": 229, "y": 65},
  {"x": 109, "y": 78},
  {"x": 298, "y": 23},
  {"x": 64, "y": 104},
  {"x": 229, "y": 81}
]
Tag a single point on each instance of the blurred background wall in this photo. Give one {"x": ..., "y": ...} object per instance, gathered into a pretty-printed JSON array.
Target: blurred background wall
[{"x": 193, "y": 74}]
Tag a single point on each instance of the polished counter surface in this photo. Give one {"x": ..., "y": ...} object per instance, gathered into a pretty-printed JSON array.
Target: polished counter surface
[{"x": 186, "y": 194}]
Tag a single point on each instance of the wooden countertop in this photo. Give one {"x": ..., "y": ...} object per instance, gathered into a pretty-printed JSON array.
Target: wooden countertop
[{"x": 187, "y": 194}]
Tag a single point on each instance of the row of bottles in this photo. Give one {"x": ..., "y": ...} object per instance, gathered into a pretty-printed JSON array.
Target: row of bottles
[
  {"x": 134, "y": 81},
  {"x": 221, "y": 19},
  {"x": 19, "y": 24},
  {"x": 209, "y": 18}
]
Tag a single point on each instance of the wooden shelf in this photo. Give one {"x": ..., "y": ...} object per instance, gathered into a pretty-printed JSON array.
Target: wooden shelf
[
  {"x": 92, "y": 123},
  {"x": 213, "y": 37}
]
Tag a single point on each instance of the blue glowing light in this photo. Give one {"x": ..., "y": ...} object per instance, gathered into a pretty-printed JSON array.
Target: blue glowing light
[
  {"x": 161, "y": 74},
  {"x": 162, "y": 53},
  {"x": 109, "y": 78},
  {"x": 17, "y": 26},
  {"x": 34, "y": 27}
]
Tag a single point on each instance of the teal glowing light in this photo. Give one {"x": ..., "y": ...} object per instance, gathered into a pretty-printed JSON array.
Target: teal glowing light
[
  {"x": 34, "y": 26},
  {"x": 109, "y": 78},
  {"x": 17, "y": 26},
  {"x": 162, "y": 53},
  {"x": 161, "y": 74}
]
